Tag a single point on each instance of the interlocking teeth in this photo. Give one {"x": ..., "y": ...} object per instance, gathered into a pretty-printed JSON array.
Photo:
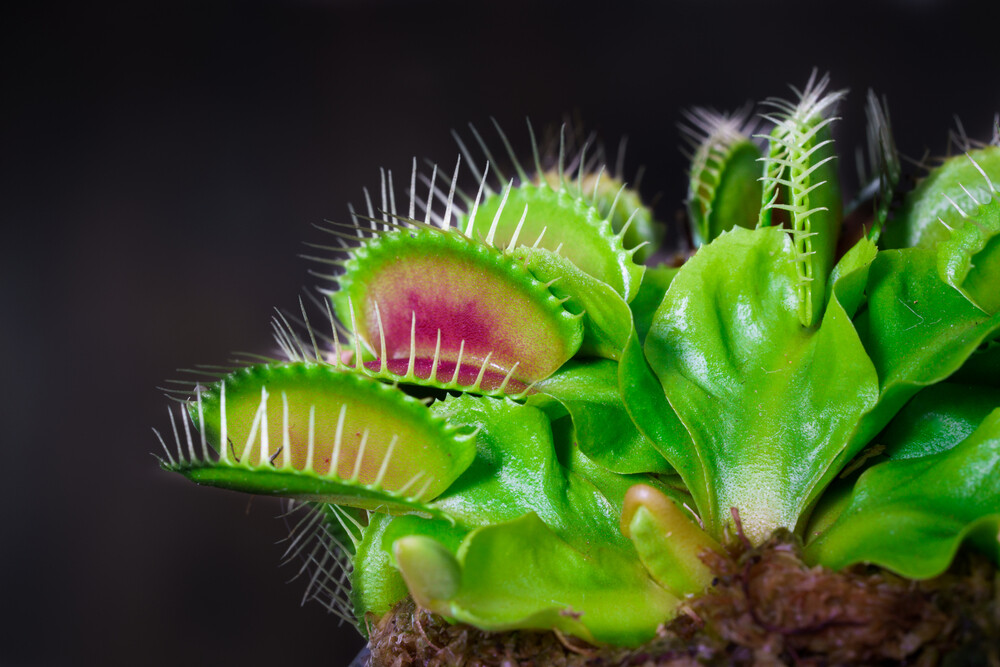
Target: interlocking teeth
[
  {"x": 311, "y": 432},
  {"x": 801, "y": 182}
]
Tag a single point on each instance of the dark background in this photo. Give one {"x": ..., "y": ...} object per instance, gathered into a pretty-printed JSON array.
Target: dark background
[{"x": 161, "y": 165}]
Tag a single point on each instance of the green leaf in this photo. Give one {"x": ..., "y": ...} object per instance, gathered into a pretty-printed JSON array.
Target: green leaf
[
  {"x": 917, "y": 330},
  {"x": 517, "y": 471},
  {"x": 311, "y": 432},
  {"x": 936, "y": 419},
  {"x": 605, "y": 432},
  {"x": 521, "y": 575},
  {"x": 656, "y": 419},
  {"x": 911, "y": 516},
  {"x": 770, "y": 404},
  {"x": 376, "y": 586}
]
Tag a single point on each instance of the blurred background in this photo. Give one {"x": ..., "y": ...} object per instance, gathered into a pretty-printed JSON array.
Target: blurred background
[{"x": 160, "y": 166}]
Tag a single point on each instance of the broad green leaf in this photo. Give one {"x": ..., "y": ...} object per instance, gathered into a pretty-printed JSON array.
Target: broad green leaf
[
  {"x": 517, "y": 471},
  {"x": 770, "y": 404},
  {"x": 311, "y": 432},
  {"x": 521, "y": 575},
  {"x": 589, "y": 392},
  {"x": 911, "y": 516},
  {"x": 437, "y": 308},
  {"x": 917, "y": 330},
  {"x": 936, "y": 419}
]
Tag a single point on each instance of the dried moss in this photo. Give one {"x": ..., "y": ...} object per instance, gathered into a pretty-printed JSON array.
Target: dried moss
[{"x": 766, "y": 608}]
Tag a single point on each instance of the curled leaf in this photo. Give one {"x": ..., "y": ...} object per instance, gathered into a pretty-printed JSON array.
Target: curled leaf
[
  {"x": 912, "y": 515},
  {"x": 519, "y": 469},
  {"x": 917, "y": 330}
]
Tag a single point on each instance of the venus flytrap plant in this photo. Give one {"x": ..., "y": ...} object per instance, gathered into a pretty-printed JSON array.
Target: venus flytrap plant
[{"x": 598, "y": 438}]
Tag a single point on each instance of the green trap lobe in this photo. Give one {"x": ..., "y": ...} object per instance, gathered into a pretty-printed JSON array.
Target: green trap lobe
[
  {"x": 725, "y": 189},
  {"x": 557, "y": 221},
  {"x": 620, "y": 204},
  {"x": 957, "y": 181}
]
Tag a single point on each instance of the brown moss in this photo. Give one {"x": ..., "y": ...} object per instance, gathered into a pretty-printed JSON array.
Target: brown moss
[{"x": 766, "y": 608}]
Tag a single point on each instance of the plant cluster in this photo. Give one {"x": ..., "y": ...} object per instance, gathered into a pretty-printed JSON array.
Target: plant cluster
[{"x": 508, "y": 416}]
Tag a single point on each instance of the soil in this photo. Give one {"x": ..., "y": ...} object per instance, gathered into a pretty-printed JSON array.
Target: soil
[{"x": 766, "y": 607}]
